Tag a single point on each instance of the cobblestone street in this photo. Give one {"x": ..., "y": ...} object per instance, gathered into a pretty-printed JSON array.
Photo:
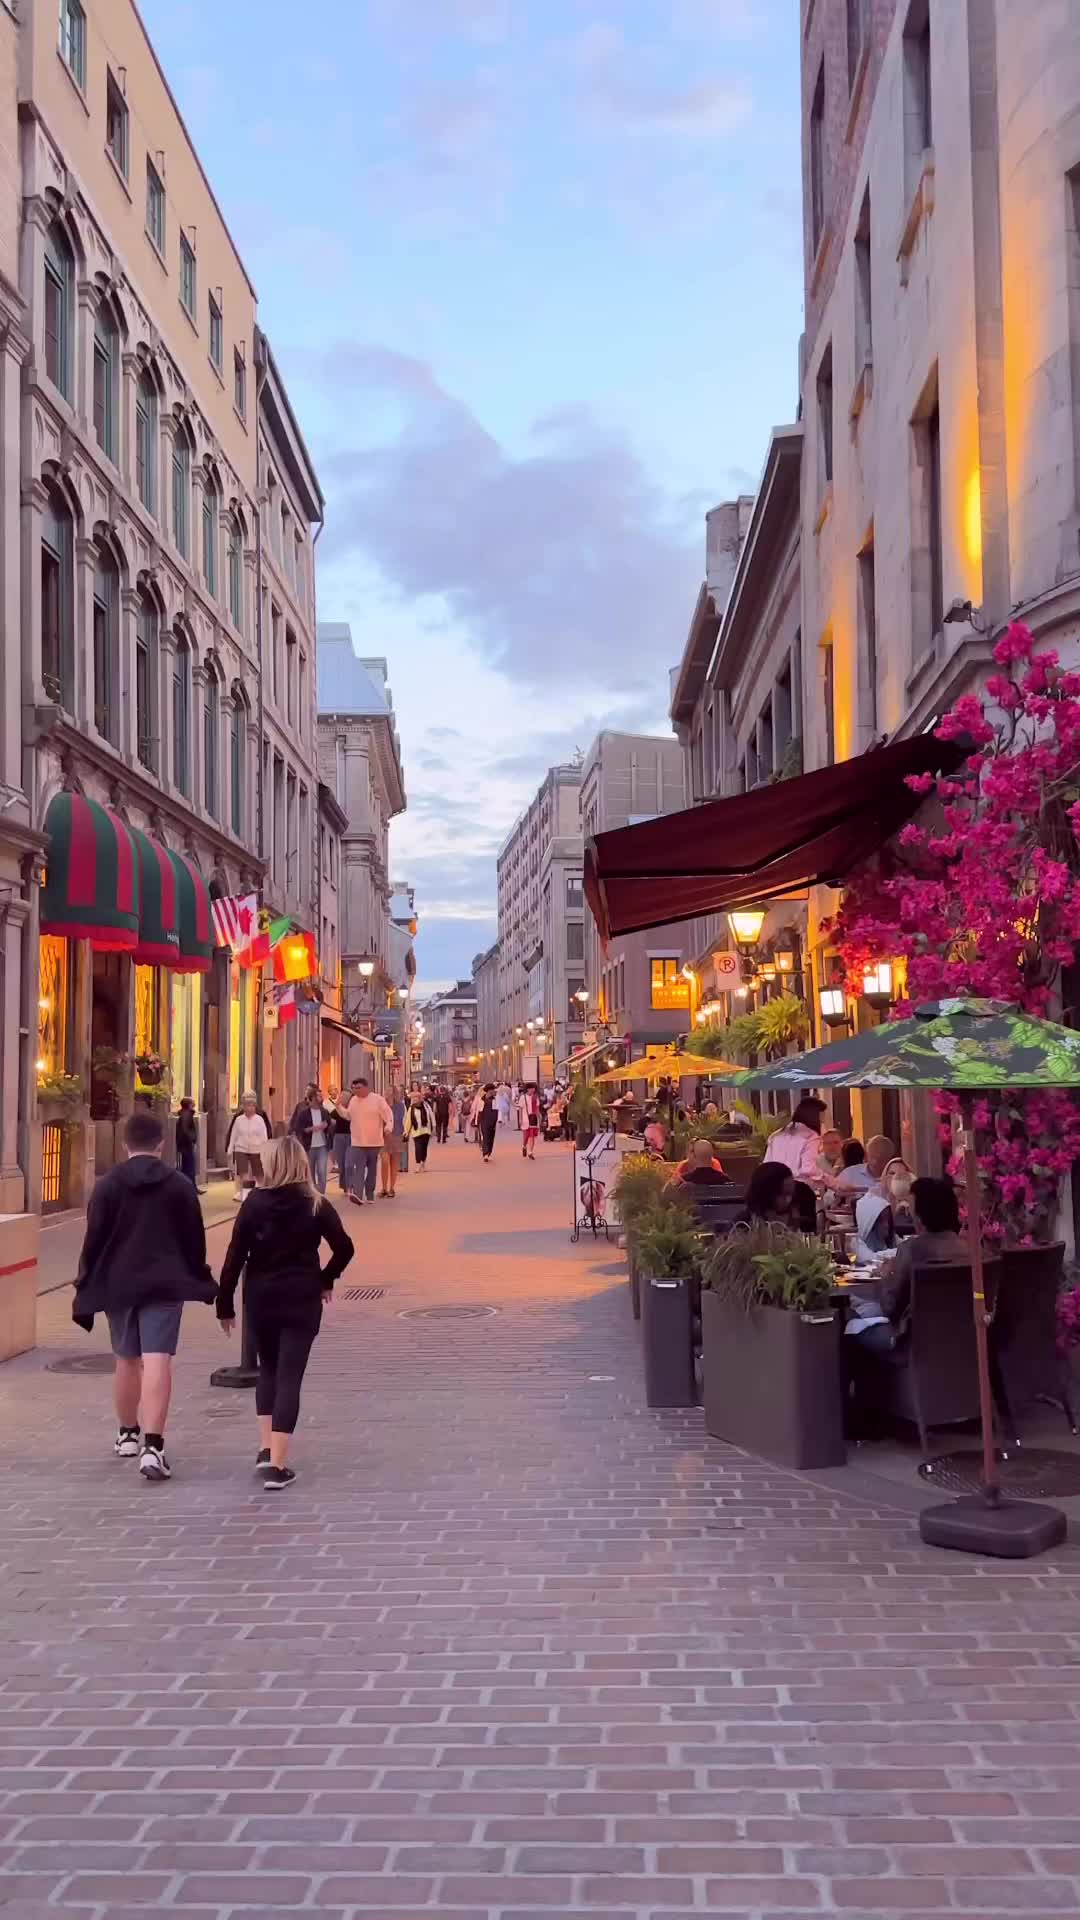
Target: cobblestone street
[{"x": 512, "y": 1645}]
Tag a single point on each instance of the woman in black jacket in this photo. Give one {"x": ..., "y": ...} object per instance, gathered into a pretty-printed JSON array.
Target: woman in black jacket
[{"x": 276, "y": 1238}]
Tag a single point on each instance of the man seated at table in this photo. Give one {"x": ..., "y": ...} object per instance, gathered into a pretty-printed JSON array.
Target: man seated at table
[
  {"x": 877, "y": 1332},
  {"x": 701, "y": 1168},
  {"x": 829, "y": 1160},
  {"x": 854, "y": 1176}
]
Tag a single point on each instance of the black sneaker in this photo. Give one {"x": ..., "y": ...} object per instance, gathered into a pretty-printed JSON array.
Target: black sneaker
[
  {"x": 262, "y": 1459},
  {"x": 277, "y": 1478},
  {"x": 153, "y": 1464},
  {"x": 126, "y": 1444}
]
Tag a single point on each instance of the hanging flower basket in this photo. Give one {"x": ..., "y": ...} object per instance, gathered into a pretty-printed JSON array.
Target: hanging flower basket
[{"x": 151, "y": 1069}]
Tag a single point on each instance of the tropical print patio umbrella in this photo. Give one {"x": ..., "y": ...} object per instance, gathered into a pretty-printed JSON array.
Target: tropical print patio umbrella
[
  {"x": 962, "y": 1046},
  {"x": 958, "y": 1045},
  {"x": 672, "y": 1063}
]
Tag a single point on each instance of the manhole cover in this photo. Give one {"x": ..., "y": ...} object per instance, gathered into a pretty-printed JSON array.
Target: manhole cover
[
  {"x": 227, "y": 1410},
  {"x": 83, "y": 1363},
  {"x": 447, "y": 1313},
  {"x": 363, "y": 1293},
  {"x": 1034, "y": 1470}
]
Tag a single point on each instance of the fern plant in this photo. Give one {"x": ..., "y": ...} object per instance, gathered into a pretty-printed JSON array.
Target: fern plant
[
  {"x": 668, "y": 1241},
  {"x": 638, "y": 1185},
  {"x": 781, "y": 1022},
  {"x": 764, "y": 1265}
]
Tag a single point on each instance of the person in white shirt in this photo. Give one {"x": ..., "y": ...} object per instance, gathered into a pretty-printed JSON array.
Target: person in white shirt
[
  {"x": 370, "y": 1120},
  {"x": 798, "y": 1145},
  {"x": 248, "y": 1136}
]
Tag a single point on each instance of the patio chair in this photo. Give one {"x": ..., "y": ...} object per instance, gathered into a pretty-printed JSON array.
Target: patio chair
[
  {"x": 1028, "y": 1365},
  {"x": 718, "y": 1208},
  {"x": 932, "y": 1380}
]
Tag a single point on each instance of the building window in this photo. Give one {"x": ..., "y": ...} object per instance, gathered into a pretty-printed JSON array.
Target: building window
[
  {"x": 933, "y": 503},
  {"x": 106, "y": 356},
  {"x": 825, "y": 416},
  {"x": 181, "y": 716},
  {"x": 59, "y": 329},
  {"x": 146, "y": 659},
  {"x": 73, "y": 40},
  {"x": 239, "y": 383},
  {"x": 575, "y": 1008},
  {"x": 817, "y": 161},
  {"x": 181, "y": 491},
  {"x": 301, "y": 695},
  {"x": 106, "y": 618},
  {"x": 146, "y": 442},
  {"x": 918, "y": 95},
  {"x": 275, "y": 654},
  {"x": 211, "y": 524},
  {"x": 828, "y": 701},
  {"x": 188, "y": 288},
  {"x": 116, "y": 123},
  {"x": 575, "y": 940},
  {"x": 217, "y": 335},
  {"x": 575, "y": 896},
  {"x": 236, "y": 574},
  {"x": 57, "y": 601},
  {"x": 864, "y": 301},
  {"x": 290, "y": 675},
  {"x": 868, "y": 634},
  {"x": 155, "y": 206},
  {"x": 237, "y": 722},
  {"x": 857, "y": 37},
  {"x": 668, "y": 989},
  {"x": 211, "y": 718}
]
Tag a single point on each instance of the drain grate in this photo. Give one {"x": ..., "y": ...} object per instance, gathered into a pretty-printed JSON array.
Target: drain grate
[
  {"x": 83, "y": 1363},
  {"x": 363, "y": 1293},
  {"x": 447, "y": 1313},
  {"x": 1034, "y": 1470}
]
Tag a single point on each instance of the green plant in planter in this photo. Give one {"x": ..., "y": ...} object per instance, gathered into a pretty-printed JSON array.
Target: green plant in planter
[
  {"x": 638, "y": 1185},
  {"x": 762, "y": 1125},
  {"x": 668, "y": 1240},
  {"x": 585, "y": 1108},
  {"x": 112, "y": 1066},
  {"x": 782, "y": 1022},
  {"x": 766, "y": 1265},
  {"x": 60, "y": 1089}
]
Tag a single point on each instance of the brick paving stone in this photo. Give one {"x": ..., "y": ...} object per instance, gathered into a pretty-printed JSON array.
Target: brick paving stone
[{"x": 514, "y": 1647}]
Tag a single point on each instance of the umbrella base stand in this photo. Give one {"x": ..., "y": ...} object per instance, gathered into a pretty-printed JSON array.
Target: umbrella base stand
[
  {"x": 234, "y": 1377},
  {"x": 1010, "y": 1530}
]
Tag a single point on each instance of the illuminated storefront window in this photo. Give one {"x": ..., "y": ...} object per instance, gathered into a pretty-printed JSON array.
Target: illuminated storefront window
[
  {"x": 242, "y": 985},
  {"x": 147, "y": 1010},
  {"x": 53, "y": 1003},
  {"x": 185, "y": 1057}
]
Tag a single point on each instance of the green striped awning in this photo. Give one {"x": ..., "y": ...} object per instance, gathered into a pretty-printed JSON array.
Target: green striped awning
[
  {"x": 193, "y": 916},
  {"x": 159, "y": 937},
  {"x": 91, "y": 887}
]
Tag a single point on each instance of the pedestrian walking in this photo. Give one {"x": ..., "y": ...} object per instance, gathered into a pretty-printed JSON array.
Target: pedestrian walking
[
  {"x": 487, "y": 1121},
  {"x": 502, "y": 1103},
  {"x": 187, "y": 1141},
  {"x": 275, "y": 1245},
  {"x": 370, "y": 1120},
  {"x": 529, "y": 1121},
  {"x": 341, "y": 1141},
  {"x": 419, "y": 1127},
  {"x": 248, "y": 1135},
  {"x": 442, "y": 1115},
  {"x": 395, "y": 1152},
  {"x": 313, "y": 1125},
  {"x": 143, "y": 1257}
]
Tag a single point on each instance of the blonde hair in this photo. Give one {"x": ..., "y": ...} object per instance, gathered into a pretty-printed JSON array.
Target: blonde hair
[{"x": 285, "y": 1164}]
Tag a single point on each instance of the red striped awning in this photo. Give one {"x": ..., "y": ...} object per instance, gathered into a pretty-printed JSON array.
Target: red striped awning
[
  {"x": 159, "y": 935},
  {"x": 91, "y": 887},
  {"x": 193, "y": 916}
]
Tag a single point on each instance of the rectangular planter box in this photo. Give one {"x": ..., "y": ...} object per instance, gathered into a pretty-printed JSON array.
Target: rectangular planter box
[
  {"x": 773, "y": 1383},
  {"x": 18, "y": 1283}
]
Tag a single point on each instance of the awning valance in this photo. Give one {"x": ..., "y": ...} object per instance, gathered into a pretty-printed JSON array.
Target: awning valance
[
  {"x": 758, "y": 846},
  {"x": 196, "y": 943},
  {"x": 357, "y": 1039},
  {"x": 91, "y": 887},
  {"x": 159, "y": 938}
]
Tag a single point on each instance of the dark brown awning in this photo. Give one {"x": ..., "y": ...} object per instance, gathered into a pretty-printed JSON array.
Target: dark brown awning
[{"x": 758, "y": 846}]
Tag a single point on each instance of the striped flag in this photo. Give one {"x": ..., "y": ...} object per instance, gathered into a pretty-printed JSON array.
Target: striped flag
[
  {"x": 279, "y": 1006},
  {"x": 236, "y": 920}
]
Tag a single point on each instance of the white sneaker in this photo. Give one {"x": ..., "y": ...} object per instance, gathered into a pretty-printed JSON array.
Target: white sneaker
[
  {"x": 153, "y": 1464},
  {"x": 126, "y": 1444}
]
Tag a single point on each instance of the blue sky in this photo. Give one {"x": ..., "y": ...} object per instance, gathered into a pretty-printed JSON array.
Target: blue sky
[{"x": 532, "y": 271}]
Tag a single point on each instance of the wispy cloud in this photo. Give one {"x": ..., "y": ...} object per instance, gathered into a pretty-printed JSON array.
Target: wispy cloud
[{"x": 624, "y": 91}]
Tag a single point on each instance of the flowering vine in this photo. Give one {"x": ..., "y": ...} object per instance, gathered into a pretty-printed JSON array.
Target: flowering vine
[{"x": 981, "y": 896}]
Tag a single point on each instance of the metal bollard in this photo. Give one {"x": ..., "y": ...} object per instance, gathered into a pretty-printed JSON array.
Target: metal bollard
[{"x": 246, "y": 1374}]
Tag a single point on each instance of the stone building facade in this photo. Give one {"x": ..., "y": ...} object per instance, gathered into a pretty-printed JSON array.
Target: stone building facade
[
  {"x": 485, "y": 978},
  {"x": 449, "y": 1049},
  {"x": 537, "y": 981},
  {"x": 145, "y": 392}
]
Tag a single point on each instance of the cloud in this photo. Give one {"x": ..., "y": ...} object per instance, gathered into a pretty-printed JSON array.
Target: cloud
[
  {"x": 563, "y": 562},
  {"x": 486, "y": 21},
  {"x": 623, "y": 91}
]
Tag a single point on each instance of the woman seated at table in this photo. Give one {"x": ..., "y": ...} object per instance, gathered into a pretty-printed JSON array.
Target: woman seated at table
[
  {"x": 854, "y": 1176},
  {"x": 936, "y": 1242},
  {"x": 770, "y": 1195},
  {"x": 883, "y": 1213}
]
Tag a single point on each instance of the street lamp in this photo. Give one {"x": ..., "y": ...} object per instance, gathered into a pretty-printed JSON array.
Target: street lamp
[
  {"x": 365, "y": 968},
  {"x": 746, "y": 924}
]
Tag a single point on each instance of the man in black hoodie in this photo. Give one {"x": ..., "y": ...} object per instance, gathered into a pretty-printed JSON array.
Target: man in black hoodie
[{"x": 144, "y": 1255}]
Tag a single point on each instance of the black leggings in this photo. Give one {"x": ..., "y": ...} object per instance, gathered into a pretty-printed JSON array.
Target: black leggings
[
  {"x": 421, "y": 1142},
  {"x": 487, "y": 1137},
  {"x": 283, "y": 1356},
  {"x": 442, "y": 1129}
]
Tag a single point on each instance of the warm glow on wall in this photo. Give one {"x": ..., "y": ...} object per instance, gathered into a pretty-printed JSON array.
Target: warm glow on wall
[{"x": 973, "y": 526}]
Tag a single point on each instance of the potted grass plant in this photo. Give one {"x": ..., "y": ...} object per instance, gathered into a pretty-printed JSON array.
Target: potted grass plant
[
  {"x": 586, "y": 1110},
  {"x": 639, "y": 1184},
  {"x": 668, "y": 1243},
  {"x": 771, "y": 1339}
]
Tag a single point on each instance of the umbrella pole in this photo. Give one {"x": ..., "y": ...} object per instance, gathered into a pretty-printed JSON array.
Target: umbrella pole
[{"x": 973, "y": 1196}]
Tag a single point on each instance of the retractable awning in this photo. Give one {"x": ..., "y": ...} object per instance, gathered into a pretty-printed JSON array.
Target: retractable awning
[
  {"x": 758, "y": 846},
  {"x": 358, "y": 1039},
  {"x": 91, "y": 875}
]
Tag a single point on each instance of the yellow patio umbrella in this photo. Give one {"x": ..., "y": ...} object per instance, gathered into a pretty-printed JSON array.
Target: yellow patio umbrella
[{"x": 672, "y": 1063}]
